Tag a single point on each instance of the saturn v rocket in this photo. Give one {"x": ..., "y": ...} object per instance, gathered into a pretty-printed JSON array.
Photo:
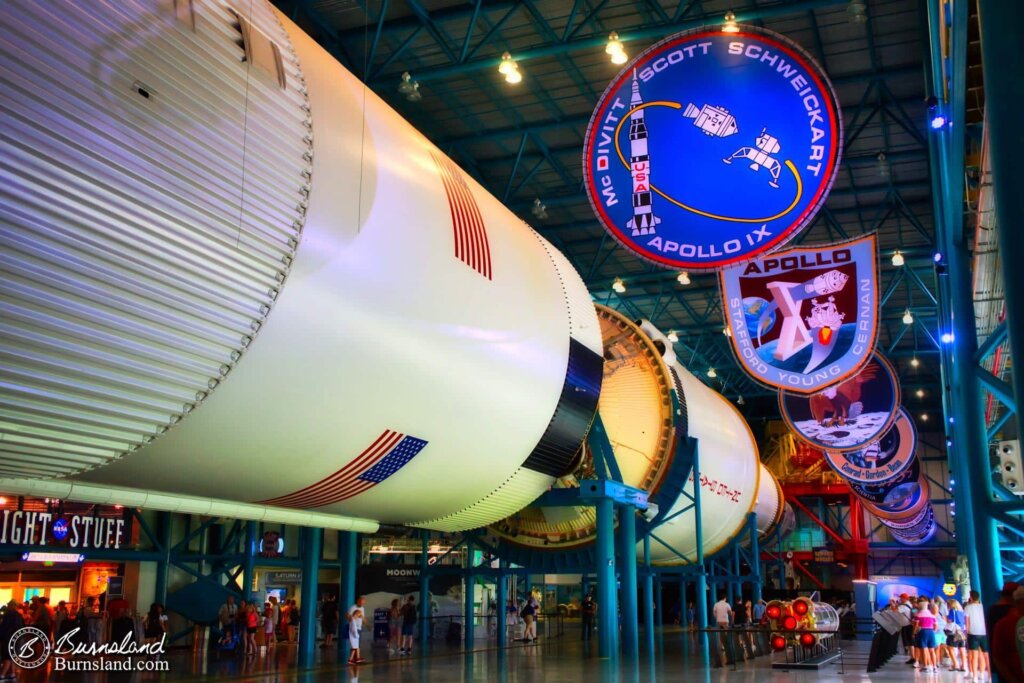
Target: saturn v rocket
[{"x": 231, "y": 273}]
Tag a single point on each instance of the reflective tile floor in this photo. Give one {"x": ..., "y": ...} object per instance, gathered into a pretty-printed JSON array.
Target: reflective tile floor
[{"x": 555, "y": 660}]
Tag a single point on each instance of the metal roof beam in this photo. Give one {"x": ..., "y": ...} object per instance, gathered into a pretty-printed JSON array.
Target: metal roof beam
[
  {"x": 582, "y": 121},
  {"x": 599, "y": 40},
  {"x": 579, "y": 196}
]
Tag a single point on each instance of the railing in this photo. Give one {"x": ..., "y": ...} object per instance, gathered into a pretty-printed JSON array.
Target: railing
[{"x": 549, "y": 625}]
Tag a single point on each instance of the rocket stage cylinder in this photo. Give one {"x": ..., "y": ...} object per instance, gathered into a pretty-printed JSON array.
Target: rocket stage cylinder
[
  {"x": 641, "y": 377},
  {"x": 231, "y": 270}
]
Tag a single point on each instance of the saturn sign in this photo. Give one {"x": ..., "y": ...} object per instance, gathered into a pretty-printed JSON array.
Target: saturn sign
[{"x": 712, "y": 148}]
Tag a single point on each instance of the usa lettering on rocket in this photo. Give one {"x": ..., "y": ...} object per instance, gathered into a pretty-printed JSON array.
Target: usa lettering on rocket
[{"x": 643, "y": 220}]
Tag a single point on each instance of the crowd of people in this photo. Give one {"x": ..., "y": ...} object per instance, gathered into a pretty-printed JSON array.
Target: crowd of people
[
  {"x": 240, "y": 623},
  {"x": 81, "y": 629},
  {"x": 940, "y": 632}
]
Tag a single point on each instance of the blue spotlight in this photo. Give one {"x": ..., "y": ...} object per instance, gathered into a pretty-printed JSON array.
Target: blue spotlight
[
  {"x": 947, "y": 338},
  {"x": 938, "y": 257},
  {"x": 938, "y": 122}
]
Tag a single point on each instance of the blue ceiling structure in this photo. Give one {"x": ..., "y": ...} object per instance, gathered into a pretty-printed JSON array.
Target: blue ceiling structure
[{"x": 523, "y": 142}]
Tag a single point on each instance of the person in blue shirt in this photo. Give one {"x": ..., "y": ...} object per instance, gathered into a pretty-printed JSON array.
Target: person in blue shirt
[{"x": 759, "y": 611}]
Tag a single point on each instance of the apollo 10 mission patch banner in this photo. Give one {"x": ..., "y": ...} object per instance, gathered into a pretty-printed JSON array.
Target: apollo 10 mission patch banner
[
  {"x": 711, "y": 148},
  {"x": 804, "y": 319}
]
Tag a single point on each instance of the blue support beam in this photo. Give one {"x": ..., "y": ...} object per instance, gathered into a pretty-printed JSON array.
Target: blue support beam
[
  {"x": 963, "y": 400},
  {"x": 348, "y": 560},
  {"x": 607, "y": 602},
  {"x": 312, "y": 541},
  {"x": 163, "y": 565},
  {"x": 424, "y": 605},
  {"x": 1002, "y": 24},
  {"x": 648, "y": 600},
  {"x": 702, "y": 582},
  {"x": 249, "y": 559},
  {"x": 627, "y": 574},
  {"x": 468, "y": 593},
  {"x": 502, "y": 603}
]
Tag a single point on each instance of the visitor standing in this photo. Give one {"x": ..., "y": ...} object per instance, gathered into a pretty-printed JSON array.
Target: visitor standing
[
  {"x": 588, "y": 611},
  {"x": 355, "y": 626},
  {"x": 228, "y": 613},
  {"x": 394, "y": 626},
  {"x": 329, "y": 619},
  {"x": 977, "y": 636},
  {"x": 409, "y": 614}
]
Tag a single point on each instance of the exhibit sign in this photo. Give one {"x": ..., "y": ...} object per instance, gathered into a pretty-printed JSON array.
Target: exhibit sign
[
  {"x": 711, "y": 148},
  {"x": 32, "y": 528},
  {"x": 849, "y": 415},
  {"x": 804, "y": 319}
]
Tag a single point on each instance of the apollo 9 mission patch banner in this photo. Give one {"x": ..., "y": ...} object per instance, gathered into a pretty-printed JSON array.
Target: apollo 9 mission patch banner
[
  {"x": 712, "y": 148},
  {"x": 804, "y": 319}
]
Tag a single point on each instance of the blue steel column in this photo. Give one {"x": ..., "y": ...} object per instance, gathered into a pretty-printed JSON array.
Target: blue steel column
[
  {"x": 424, "y": 591},
  {"x": 311, "y": 542},
  {"x": 702, "y": 579},
  {"x": 249, "y": 560},
  {"x": 1002, "y": 24},
  {"x": 163, "y": 530},
  {"x": 468, "y": 594},
  {"x": 684, "y": 616},
  {"x": 648, "y": 599},
  {"x": 627, "y": 577},
  {"x": 755, "y": 560},
  {"x": 969, "y": 458},
  {"x": 607, "y": 602},
  {"x": 348, "y": 556},
  {"x": 502, "y": 600}
]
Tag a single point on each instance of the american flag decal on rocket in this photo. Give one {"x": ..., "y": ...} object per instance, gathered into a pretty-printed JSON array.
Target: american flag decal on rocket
[
  {"x": 471, "y": 245},
  {"x": 389, "y": 453}
]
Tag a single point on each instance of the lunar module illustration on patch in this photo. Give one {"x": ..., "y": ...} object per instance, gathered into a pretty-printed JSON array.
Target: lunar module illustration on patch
[{"x": 760, "y": 155}]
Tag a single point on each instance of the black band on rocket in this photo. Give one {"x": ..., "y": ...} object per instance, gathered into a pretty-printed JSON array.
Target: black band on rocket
[{"x": 555, "y": 453}]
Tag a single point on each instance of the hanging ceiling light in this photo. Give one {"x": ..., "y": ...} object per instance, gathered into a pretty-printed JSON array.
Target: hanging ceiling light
[
  {"x": 883, "y": 166},
  {"x": 924, "y": 417},
  {"x": 897, "y": 258},
  {"x": 615, "y": 49},
  {"x": 539, "y": 210},
  {"x": 919, "y": 393},
  {"x": 740, "y": 401},
  {"x": 857, "y": 12},
  {"x": 683, "y": 278},
  {"x": 618, "y": 285},
  {"x": 730, "y": 25},
  {"x": 914, "y": 362},
  {"x": 406, "y": 85},
  {"x": 712, "y": 373},
  {"x": 672, "y": 336},
  {"x": 409, "y": 88},
  {"x": 727, "y": 331},
  {"x": 908, "y": 317},
  {"x": 509, "y": 69}
]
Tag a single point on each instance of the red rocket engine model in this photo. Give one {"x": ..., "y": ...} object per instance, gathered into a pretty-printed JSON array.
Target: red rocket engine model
[{"x": 802, "y": 622}]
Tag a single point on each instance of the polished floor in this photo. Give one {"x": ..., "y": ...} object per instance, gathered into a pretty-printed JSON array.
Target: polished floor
[{"x": 555, "y": 660}]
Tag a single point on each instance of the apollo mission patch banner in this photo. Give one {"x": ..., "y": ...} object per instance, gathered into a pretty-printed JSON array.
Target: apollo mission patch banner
[
  {"x": 711, "y": 148},
  {"x": 804, "y": 319}
]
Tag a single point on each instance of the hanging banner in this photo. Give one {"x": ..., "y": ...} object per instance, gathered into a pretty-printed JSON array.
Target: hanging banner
[
  {"x": 712, "y": 148},
  {"x": 849, "y": 415},
  {"x": 897, "y": 495},
  {"x": 806, "y": 318},
  {"x": 882, "y": 460}
]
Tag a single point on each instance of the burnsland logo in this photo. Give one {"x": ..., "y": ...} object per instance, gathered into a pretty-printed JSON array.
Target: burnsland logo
[{"x": 31, "y": 648}]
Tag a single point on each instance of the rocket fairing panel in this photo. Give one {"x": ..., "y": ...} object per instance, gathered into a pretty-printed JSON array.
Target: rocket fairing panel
[{"x": 387, "y": 358}]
